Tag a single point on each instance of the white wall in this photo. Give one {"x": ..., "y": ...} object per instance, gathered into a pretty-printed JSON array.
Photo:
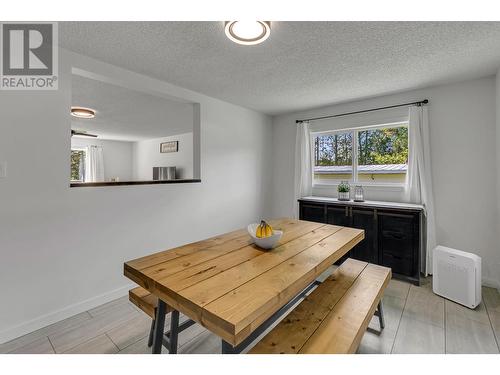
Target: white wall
[
  {"x": 146, "y": 155},
  {"x": 498, "y": 162},
  {"x": 463, "y": 148},
  {"x": 117, "y": 156},
  {"x": 62, "y": 249}
]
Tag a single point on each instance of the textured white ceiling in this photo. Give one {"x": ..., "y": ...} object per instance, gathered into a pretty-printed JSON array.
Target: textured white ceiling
[
  {"x": 301, "y": 65},
  {"x": 127, "y": 115}
]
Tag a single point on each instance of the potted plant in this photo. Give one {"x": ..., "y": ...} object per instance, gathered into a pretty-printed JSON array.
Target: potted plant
[{"x": 343, "y": 190}]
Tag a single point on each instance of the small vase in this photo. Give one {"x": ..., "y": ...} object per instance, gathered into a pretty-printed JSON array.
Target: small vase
[
  {"x": 343, "y": 196},
  {"x": 358, "y": 194}
]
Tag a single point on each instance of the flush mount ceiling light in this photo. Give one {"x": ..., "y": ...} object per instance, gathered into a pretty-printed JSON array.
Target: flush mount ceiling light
[
  {"x": 82, "y": 112},
  {"x": 247, "y": 32}
]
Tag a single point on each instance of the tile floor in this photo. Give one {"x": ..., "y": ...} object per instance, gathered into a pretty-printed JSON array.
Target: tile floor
[{"x": 417, "y": 321}]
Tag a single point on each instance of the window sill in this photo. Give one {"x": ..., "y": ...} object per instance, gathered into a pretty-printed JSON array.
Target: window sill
[
  {"x": 124, "y": 183},
  {"x": 387, "y": 187}
]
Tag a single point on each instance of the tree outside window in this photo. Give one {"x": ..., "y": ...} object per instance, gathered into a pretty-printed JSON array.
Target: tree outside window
[
  {"x": 377, "y": 155},
  {"x": 78, "y": 165}
]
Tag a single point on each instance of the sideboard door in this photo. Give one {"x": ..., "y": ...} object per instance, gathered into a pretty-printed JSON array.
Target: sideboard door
[
  {"x": 366, "y": 250},
  {"x": 312, "y": 212},
  {"x": 338, "y": 215}
]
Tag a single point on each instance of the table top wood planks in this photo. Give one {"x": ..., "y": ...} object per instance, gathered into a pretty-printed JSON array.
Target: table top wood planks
[{"x": 230, "y": 286}]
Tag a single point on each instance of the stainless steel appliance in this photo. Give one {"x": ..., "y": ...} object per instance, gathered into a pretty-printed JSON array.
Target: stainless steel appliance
[{"x": 163, "y": 173}]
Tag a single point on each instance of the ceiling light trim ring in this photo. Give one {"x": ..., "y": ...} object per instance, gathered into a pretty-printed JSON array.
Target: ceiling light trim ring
[
  {"x": 266, "y": 31},
  {"x": 83, "y": 112}
]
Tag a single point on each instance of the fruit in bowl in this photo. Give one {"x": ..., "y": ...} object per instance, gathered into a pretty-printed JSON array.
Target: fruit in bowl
[
  {"x": 264, "y": 235},
  {"x": 264, "y": 230}
]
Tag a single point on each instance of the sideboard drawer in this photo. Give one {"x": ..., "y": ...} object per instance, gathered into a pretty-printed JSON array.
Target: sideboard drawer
[
  {"x": 398, "y": 264},
  {"x": 398, "y": 234}
]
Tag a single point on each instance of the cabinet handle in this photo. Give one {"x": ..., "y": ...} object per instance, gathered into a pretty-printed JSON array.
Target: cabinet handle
[
  {"x": 350, "y": 209},
  {"x": 375, "y": 214},
  {"x": 346, "y": 211}
]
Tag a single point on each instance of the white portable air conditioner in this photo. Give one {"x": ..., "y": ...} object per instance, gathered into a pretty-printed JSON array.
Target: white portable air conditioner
[{"x": 457, "y": 276}]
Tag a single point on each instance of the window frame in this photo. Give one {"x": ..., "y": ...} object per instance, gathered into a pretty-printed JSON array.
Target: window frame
[
  {"x": 84, "y": 150},
  {"x": 355, "y": 130}
]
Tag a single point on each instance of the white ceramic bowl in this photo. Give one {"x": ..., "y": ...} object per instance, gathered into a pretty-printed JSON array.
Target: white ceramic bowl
[{"x": 266, "y": 242}]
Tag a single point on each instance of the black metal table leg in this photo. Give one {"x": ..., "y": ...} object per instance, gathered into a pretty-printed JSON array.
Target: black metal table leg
[
  {"x": 227, "y": 348},
  {"x": 151, "y": 333},
  {"x": 159, "y": 327},
  {"x": 174, "y": 332}
]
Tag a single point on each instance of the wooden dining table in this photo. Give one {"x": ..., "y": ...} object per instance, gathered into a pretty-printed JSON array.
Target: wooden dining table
[{"x": 234, "y": 288}]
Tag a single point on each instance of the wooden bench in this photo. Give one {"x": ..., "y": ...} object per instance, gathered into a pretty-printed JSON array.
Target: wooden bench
[
  {"x": 148, "y": 303},
  {"x": 334, "y": 317},
  {"x": 145, "y": 301}
]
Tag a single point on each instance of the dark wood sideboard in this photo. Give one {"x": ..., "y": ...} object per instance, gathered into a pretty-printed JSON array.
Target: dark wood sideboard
[{"x": 394, "y": 232}]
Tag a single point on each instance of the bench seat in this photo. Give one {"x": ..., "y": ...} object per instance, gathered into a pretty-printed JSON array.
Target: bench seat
[
  {"x": 145, "y": 301},
  {"x": 334, "y": 317}
]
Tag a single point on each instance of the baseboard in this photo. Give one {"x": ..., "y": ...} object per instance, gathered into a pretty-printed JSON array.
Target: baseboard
[
  {"x": 491, "y": 283},
  {"x": 61, "y": 314}
]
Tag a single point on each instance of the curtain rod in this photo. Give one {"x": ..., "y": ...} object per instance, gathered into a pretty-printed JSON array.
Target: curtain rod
[{"x": 425, "y": 101}]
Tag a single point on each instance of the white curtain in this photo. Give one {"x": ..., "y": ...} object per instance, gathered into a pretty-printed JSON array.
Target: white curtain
[
  {"x": 94, "y": 164},
  {"x": 419, "y": 179},
  {"x": 303, "y": 166}
]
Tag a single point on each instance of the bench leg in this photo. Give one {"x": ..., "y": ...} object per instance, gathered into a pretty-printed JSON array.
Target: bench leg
[
  {"x": 151, "y": 334},
  {"x": 159, "y": 327},
  {"x": 381, "y": 315}
]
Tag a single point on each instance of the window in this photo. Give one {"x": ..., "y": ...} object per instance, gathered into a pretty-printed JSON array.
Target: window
[
  {"x": 333, "y": 156},
  {"x": 78, "y": 164},
  {"x": 372, "y": 155}
]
